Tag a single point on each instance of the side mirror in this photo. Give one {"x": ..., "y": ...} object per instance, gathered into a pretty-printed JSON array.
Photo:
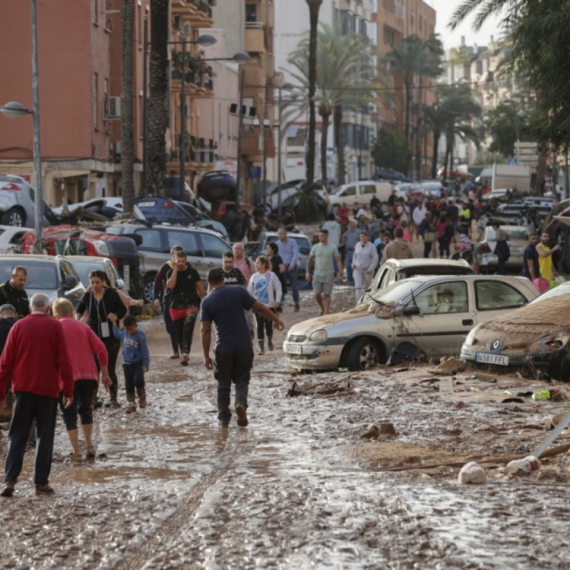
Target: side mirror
[
  {"x": 120, "y": 283},
  {"x": 69, "y": 283},
  {"x": 411, "y": 310}
]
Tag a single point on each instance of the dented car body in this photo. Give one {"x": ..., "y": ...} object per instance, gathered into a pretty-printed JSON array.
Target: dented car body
[
  {"x": 535, "y": 337},
  {"x": 431, "y": 315}
]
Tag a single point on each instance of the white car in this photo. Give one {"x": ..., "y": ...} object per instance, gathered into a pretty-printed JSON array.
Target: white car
[
  {"x": 10, "y": 237},
  {"x": 108, "y": 207}
]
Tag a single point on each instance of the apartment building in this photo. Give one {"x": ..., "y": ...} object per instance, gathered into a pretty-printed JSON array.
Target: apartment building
[
  {"x": 359, "y": 125},
  {"x": 252, "y": 31},
  {"x": 397, "y": 19}
]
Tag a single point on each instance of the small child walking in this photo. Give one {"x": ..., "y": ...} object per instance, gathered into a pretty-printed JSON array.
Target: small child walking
[{"x": 136, "y": 360}]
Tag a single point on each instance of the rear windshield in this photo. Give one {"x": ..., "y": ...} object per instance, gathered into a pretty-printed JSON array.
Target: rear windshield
[{"x": 433, "y": 270}]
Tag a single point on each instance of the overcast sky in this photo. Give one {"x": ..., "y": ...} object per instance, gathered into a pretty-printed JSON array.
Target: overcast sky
[{"x": 445, "y": 9}]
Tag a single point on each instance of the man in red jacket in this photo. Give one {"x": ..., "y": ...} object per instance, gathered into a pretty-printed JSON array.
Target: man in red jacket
[{"x": 34, "y": 358}]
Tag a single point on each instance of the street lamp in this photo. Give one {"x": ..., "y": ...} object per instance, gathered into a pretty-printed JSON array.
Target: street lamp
[{"x": 15, "y": 110}]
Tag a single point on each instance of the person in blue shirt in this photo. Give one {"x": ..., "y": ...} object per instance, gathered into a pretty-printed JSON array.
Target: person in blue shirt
[{"x": 136, "y": 360}]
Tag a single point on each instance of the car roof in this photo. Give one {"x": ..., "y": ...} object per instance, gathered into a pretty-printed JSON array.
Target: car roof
[
  {"x": 165, "y": 226},
  {"x": 289, "y": 234},
  {"x": 470, "y": 277},
  {"x": 403, "y": 263},
  {"x": 86, "y": 257},
  {"x": 37, "y": 256}
]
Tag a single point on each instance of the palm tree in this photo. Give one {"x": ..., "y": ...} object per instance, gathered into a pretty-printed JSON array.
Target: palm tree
[
  {"x": 127, "y": 85},
  {"x": 158, "y": 98},
  {"x": 345, "y": 78},
  {"x": 314, "y": 8}
]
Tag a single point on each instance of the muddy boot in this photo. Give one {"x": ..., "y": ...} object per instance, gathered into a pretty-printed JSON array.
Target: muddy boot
[
  {"x": 142, "y": 397},
  {"x": 270, "y": 343},
  {"x": 131, "y": 404},
  {"x": 261, "y": 347}
]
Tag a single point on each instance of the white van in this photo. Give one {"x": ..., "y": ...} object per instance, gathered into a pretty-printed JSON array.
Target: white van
[{"x": 361, "y": 192}]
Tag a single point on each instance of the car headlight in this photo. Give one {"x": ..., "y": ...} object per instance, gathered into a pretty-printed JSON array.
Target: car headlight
[
  {"x": 470, "y": 339},
  {"x": 319, "y": 336},
  {"x": 101, "y": 247}
]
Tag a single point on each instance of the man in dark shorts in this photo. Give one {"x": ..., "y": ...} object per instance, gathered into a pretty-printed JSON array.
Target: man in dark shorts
[
  {"x": 232, "y": 275},
  {"x": 225, "y": 306},
  {"x": 186, "y": 295}
]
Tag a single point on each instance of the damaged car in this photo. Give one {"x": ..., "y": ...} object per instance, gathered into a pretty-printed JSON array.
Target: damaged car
[
  {"x": 534, "y": 337},
  {"x": 420, "y": 316}
]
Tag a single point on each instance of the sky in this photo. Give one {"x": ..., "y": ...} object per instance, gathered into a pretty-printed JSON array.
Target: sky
[{"x": 445, "y": 9}]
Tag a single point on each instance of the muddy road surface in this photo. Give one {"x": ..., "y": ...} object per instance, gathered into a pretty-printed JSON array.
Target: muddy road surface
[{"x": 299, "y": 487}]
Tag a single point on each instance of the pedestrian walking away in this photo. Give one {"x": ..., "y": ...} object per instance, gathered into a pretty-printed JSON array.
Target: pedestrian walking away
[
  {"x": 186, "y": 295},
  {"x": 277, "y": 267},
  {"x": 233, "y": 353},
  {"x": 36, "y": 360},
  {"x": 350, "y": 238},
  {"x": 98, "y": 306},
  {"x": 265, "y": 287},
  {"x": 81, "y": 343},
  {"x": 12, "y": 292},
  {"x": 364, "y": 264},
  {"x": 232, "y": 275},
  {"x": 322, "y": 258},
  {"x": 502, "y": 250},
  {"x": 136, "y": 361},
  {"x": 334, "y": 229},
  {"x": 289, "y": 252},
  {"x": 428, "y": 232},
  {"x": 162, "y": 299},
  {"x": 399, "y": 248},
  {"x": 247, "y": 268}
]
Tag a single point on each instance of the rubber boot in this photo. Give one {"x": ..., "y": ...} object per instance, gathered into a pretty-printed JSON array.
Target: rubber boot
[
  {"x": 142, "y": 397},
  {"x": 270, "y": 343},
  {"x": 261, "y": 347},
  {"x": 131, "y": 404}
]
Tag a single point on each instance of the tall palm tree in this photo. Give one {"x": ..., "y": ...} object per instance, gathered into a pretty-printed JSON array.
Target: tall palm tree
[
  {"x": 314, "y": 8},
  {"x": 158, "y": 98},
  {"x": 127, "y": 86}
]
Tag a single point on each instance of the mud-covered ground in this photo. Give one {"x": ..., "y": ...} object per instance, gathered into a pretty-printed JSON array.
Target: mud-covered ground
[{"x": 299, "y": 487}]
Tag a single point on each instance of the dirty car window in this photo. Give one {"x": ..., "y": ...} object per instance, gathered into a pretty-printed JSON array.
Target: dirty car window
[
  {"x": 493, "y": 295},
  {"x": 448, "y": 297}
]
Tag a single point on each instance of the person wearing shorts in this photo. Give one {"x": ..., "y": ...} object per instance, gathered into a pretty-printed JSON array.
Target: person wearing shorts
[{"x": 322, "y": 270}]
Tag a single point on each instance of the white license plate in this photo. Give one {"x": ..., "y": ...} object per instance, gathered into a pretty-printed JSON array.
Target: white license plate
[
  {"x": 485, "y": 358},
  {"x": 294, "y": 349}
]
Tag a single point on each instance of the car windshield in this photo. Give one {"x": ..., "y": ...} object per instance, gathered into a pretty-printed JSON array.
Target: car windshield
[
  {"x": 41, "y": 274},
  {"x": 434, "y": 270},
  {"x": 396, "y": 292},
  {"x": 555, "y": 292},
  {"x": 84, "y": 267}
]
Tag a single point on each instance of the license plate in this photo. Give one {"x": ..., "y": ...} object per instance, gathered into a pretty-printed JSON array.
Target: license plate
[
  {"x": 486, "y": 358},
  {"x": 294, "y": 349}
]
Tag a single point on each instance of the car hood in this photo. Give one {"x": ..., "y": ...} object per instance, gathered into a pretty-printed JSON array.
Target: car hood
[{"x": 538, "y": 327}]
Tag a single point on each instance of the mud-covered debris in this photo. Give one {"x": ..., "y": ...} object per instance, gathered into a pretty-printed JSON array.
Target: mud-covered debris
[
  {"x": 371, "y": 433},
  {"x": 553, "y": 421},
  {"x": 483, "y": 378},
  {"x": 342, "y": 386},
  {"x": 472, "y": 474},
  {"x": 448, "y": 367},
  {"x": 461, "y": 405},
  {"x": 387, "y": 429}
]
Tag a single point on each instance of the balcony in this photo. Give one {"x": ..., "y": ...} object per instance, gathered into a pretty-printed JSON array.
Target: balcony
[
  {"x": 255, "y": 37},
  {"x": 199, "y": 154},
  {"x": 198, "y": 76},
  {"x": 199, "y": 12}
]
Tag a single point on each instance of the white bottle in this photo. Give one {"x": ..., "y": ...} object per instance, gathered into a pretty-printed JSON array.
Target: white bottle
[{"x": 526, "y": 465}]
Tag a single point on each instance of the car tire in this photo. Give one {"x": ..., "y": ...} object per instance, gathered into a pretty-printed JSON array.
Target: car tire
[
  {"x": 14, "y": 217},
  {"x": 363, "y": 354},
  {"x": 148, "y": 287}
]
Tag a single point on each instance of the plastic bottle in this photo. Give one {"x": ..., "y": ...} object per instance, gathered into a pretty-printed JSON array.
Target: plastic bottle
[
  {"x": 472, "y": 473},
  {"x": 541, "y": 395},
  {"x": 526, "y": 465}
]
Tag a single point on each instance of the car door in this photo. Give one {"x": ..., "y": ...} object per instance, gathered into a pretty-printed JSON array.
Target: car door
[
  {"x": 73, "y": 294},
  {"x": 155, "y": 251},
  {"x": 447, "y": 315},
  {"x": 188, "y": 240},
  {"x": 214, "y": 248},
  {"x": 493, "y": 298}
]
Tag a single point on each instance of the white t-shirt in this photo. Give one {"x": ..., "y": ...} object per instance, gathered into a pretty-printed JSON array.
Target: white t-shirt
[
  {"x": 333, "y": 227},
  {"x": 266, "y": 288}
]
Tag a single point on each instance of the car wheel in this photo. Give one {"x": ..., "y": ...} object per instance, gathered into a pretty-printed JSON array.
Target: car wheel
[
  {"x": 14, "y": 217},
  {"x": 148, "y": 288},
  {"x": 363, "y": 355}
]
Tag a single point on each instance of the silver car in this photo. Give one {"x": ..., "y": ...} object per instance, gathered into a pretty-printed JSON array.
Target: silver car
[
  {"x": 484, "y": 250},
  {"x": 84, "y": 264},
  {"x": 430, "y": 315},
  {"x": 17, "y": 203}
]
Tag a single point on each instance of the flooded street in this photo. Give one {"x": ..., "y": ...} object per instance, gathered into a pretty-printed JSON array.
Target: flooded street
[{"x": 299, "y": 487}]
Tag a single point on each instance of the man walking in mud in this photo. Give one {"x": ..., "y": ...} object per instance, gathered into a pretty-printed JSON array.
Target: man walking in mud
[{"x": 233, "y": 356}]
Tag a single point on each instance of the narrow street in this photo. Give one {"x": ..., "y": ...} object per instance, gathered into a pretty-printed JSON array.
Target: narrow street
[{"x": 297, "y": 488}]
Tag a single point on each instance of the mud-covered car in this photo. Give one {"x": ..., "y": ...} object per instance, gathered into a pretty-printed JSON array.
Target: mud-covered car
[
  {"x": 535, "y": 336},
  {"x": 421, "y": 315}
]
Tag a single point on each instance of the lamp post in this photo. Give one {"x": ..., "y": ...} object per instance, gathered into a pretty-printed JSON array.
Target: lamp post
[{"x": 15, "y": 110}]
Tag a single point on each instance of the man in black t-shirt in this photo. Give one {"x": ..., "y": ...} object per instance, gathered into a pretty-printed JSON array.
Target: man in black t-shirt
[
  {"x": 12, "y": 292},
  {"x": 186, "y": 294},
  {"x": 531, "y": 267},
  {"x": 232, "y": 275}
]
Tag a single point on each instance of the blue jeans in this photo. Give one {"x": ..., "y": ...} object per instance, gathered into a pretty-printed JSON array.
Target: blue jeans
[
  {"x": 291, "y": 277},
  {"x": 348, "y": 264},
  {"x": 134, "y": 376}
]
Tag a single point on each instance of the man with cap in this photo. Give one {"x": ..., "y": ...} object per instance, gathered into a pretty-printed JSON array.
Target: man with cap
[{"x": 12, "y": 292}]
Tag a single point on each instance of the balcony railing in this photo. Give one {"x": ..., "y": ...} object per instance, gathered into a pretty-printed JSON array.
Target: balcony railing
[
  {"x": 196, "y": 71},
  {"x": 196, "y": 150},
  {"x": 204, "y": 5}
]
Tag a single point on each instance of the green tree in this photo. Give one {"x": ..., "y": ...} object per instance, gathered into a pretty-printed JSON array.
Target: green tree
[
  {"x": 505, "y": 125},
  {"x": 158, "y": 98},
  {"x": 127, "y": 89},
  {"x": 391, "y": 151}
]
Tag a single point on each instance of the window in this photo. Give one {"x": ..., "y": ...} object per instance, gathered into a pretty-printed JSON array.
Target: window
[
  {"x": 350, "y": 191},
  {"x": 368, "y": 189},
  {"x": 150, "y": 239},
  {"x": 188, "y": 241},
  {"x": 494, "y": 295},
  {"x": 303, "y": 245},
  {"x": 251, "y": 13},
  {"x": 450, "y": 297},
  {"x": 95, "y": 100},
  {"x": 213, "y": 247}
]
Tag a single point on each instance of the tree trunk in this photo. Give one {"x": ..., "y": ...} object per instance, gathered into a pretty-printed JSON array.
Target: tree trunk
[
  {"x": 339, "y": 144},
  {"x": 542, "y": 151},
  {"x": 127, "y": 84},
  {"x": 314, "y": 7},
  {"x": 436, "y": 137},
  {"x": 158, "y": 98},
  {"x": 407, "y": 113},
  {"x": 326, "y": 117}
]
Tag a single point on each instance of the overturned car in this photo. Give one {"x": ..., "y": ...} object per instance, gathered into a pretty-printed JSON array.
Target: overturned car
[{"x": 535, "y": 337}]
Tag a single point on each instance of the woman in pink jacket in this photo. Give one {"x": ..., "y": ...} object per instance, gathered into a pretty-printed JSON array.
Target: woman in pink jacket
[{"x": 81, "y": 343}]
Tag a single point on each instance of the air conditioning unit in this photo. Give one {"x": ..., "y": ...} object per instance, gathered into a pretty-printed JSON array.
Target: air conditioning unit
[{"x": 114, "y": 108}]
